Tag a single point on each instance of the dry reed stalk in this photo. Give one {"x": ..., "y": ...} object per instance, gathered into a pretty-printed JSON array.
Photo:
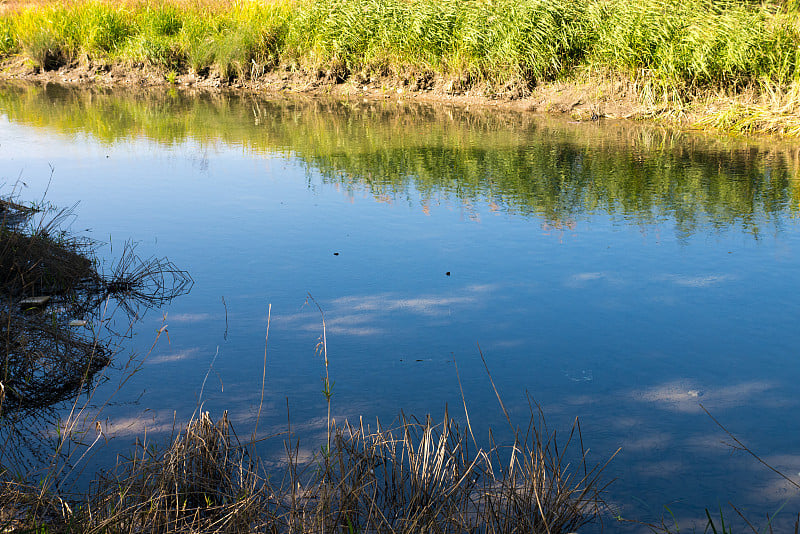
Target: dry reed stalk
[
  {"x": 419, "y": 477},
  {"x": 416, "y": 476}
]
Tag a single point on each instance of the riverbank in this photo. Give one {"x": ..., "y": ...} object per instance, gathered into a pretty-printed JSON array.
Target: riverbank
[{"x": 702, "y": 64}]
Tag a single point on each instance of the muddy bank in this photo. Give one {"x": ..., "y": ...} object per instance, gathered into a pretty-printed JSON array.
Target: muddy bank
[{"x": 583, "y": 99}]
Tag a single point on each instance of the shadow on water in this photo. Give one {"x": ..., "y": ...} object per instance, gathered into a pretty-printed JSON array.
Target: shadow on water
[
  {"x": 58, "y": 314},
  {"x": 519, "y": 163}
]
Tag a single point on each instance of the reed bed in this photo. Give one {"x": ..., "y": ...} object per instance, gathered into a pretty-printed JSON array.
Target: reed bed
[
  {"x": 720, "y": 43},
  {"x": 672, "y": 54},
  {"x": 416, "y": 476}
]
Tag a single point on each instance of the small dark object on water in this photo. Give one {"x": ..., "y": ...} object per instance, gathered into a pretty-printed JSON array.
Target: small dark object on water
[
  {"x": 447, "y": 273},
  {"x": 335, "y": 253},
  {"x": 595, "y": 116}
]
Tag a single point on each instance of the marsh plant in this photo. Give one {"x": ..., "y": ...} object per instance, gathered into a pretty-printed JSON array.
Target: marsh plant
[{"x": 414, "y": 476}]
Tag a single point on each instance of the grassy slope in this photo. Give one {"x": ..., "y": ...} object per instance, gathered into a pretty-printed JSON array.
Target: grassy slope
[{"x": 677, "y": 53}]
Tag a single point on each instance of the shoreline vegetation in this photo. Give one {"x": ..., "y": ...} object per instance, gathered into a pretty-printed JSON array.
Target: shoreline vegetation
[{"x": 710, "y": 64}]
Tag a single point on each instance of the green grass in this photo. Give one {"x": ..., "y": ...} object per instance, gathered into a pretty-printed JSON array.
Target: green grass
[
  {"x": 699, "y": 43},
  {"x": 687, "y": 44}
]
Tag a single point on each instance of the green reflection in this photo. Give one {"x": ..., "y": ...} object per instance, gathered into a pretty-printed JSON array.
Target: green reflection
[{"x": 514, "y": 162}]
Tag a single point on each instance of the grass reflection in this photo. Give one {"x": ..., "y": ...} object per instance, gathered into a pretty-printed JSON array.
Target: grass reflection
[{"x": 518, "y": 163}]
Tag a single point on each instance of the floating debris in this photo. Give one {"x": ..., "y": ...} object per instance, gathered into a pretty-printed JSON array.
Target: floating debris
[{"x": 77, "y": 322}]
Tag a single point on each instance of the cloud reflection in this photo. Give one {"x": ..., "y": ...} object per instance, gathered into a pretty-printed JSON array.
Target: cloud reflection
[
  {"x": 359, "y": 315},
  {"x": 686, "y": 396},
  {"x": 582, "y": 279},
  {"x": 697, "y": 281},
  {"x": 190, "y": 317},
  {"x": 430, "y": 305},
  {"x": 180, "y": 355},
  {"x": 153, "y": 423}
]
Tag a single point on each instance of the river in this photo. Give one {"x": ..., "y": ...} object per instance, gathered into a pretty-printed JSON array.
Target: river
[{"x": 622, "y": 273}]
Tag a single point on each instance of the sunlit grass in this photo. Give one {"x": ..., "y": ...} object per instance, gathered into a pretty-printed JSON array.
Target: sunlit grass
[{"x": 695, "y": 43}]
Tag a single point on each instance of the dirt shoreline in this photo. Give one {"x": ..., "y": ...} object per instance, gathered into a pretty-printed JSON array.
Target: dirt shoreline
[
  {"x": 585, "y": 97},
  {"x": 577, "y": 99}
]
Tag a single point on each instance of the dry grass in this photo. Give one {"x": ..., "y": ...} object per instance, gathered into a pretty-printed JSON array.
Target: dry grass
[
  {"x": 413, "y": 477},
  {"x": 768, "y": 109},
  {"x": 10, "y": 6},
  {"x": 36, "y": 256}
]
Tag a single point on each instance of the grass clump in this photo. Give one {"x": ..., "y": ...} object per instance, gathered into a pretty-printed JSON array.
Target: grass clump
[
  {"x": 412, "y": 477},
  {"x": 39, "y": 258},
  {"x": 49, "y": 278},
  {"x": 8, "y": 44},
  {"x": 39, "y": 40}
]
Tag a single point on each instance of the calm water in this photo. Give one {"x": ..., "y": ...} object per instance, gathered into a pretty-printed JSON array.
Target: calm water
[{"x": 615, "y": 272}]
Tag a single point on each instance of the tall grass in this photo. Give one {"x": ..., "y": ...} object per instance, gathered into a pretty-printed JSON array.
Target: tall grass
[
  {"x": 416, "y": 476},
  {"x": 699, "y": 43},
  {"x": 685, "y": 44}
]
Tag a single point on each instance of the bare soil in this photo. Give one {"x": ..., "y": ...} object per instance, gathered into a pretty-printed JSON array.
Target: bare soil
[{"x": 588, "y": 99}]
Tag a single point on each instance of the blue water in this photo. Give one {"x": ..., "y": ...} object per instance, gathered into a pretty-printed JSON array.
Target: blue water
[{"x": 626, "y": 310}]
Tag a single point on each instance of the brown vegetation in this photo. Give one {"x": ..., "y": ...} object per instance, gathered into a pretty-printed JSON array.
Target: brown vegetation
[{"x": 415, "y": 477}]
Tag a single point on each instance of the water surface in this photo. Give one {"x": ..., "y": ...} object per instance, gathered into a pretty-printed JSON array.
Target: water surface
[{"x": 619, "y": 273}]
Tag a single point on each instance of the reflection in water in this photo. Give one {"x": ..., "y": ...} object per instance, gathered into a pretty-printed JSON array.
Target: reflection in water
[
  {"x": 618, "y": 272},
  {"x": 57, "y": 317},
  {"x": 363, "y": 315},
  {"x": 515, "y": 163},
  {"x": 686, "y": 396}
]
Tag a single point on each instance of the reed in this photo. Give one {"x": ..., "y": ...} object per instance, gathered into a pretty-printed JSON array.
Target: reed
[
  {"x": 679, "y": 45},
  {"x": 411, "y": 477}
]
